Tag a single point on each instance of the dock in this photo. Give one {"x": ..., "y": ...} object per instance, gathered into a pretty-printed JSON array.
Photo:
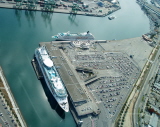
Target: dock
[
  {"x": 74, "y": 86},
  {"x": 98, "y": 79}
]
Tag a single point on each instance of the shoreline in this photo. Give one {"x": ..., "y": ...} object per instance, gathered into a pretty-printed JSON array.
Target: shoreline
[
  {"x": 11, "y": 100},
  {"x": 99, "y": 12}
]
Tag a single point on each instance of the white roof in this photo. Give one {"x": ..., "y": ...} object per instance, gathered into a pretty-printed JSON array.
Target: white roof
[
  {"x": 154, "y": 120},
  {"x": 114, "y": 1},
  {"x": 48, "y": 62}
]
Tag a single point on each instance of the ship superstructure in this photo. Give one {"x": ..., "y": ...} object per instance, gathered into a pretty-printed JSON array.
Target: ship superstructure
[
  {"x": 52, "y": 78},
  {"x": 73, "y": 36}
]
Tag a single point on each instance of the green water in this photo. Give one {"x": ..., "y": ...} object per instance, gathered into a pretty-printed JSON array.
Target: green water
[{"x": 20, "y": 34}]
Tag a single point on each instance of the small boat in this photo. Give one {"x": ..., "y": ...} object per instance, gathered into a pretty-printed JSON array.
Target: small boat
[{"x": 111, "y": 17}]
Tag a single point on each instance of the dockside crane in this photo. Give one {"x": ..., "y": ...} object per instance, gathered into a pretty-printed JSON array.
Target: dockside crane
[
  {"x": 75, "y": 8},
  {"x": 49, "y": 5},
  {"x": 18, "y": 4},
  {"x": 31, "y": 5}
]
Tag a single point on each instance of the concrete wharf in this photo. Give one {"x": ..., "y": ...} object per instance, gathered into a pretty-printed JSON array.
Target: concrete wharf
[
  {"x": 74, "y": 86},
  {"x": 66, "y": 7}
]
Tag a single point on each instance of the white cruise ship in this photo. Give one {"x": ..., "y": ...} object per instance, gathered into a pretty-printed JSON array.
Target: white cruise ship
[
  {"x": 73, "y": 36},
  {"x": 52, "y": 78}
]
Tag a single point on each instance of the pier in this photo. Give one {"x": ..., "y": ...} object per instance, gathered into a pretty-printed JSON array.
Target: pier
[
  {"x": 78, "y": 96},
  {"x": 74, "y": 86},
  {"x": 98, "y": 79}
]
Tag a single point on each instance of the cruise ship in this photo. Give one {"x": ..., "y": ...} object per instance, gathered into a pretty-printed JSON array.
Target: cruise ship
[
  {"x": 73, "y": 36},
  {"x": 52, "y": 77}
]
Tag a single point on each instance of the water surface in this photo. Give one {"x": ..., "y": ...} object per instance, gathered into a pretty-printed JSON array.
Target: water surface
[{"x": 20, "y": 34}]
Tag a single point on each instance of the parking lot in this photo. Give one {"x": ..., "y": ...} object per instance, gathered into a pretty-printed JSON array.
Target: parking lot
[
  {"x": 119, "y": 75},
  {"x": 6, "y": 118}
]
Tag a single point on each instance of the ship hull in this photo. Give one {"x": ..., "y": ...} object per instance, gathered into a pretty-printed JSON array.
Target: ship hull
[
  {"x": 71, "y": 39},
  {"x": 47, "y": 82}
]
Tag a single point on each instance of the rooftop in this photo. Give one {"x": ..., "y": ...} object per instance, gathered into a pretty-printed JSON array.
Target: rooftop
[{"x": 153, "y": 120}]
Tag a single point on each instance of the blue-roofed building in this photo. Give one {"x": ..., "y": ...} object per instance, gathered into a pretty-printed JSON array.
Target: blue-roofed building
[{"x": 100, "y": 4}]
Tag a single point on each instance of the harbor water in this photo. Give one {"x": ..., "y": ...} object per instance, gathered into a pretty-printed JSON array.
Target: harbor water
[{"x": 20, "y": 34}]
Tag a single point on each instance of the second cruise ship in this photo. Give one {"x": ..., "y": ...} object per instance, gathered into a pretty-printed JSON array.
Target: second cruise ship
[{"x": 73, "y": 36}]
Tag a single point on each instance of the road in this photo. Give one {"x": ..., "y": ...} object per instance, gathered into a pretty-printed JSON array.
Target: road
[
  {"x": 6, "y": 118},
  {"x": 146, "y": 88},
  {"x": 145, "y": 91}
]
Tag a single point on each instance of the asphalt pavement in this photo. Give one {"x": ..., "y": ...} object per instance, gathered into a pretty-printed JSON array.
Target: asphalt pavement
[
  {"x": 146, "y": 88},
  {"x": 6, "y": 118}
]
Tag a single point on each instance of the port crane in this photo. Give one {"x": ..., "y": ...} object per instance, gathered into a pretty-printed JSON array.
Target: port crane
[
  {"x": 49, "y": 5},
  {"x": 18, "y": 4},
  {"x": 31, "y": 5},
  {"x": 75, "y": 8}
]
